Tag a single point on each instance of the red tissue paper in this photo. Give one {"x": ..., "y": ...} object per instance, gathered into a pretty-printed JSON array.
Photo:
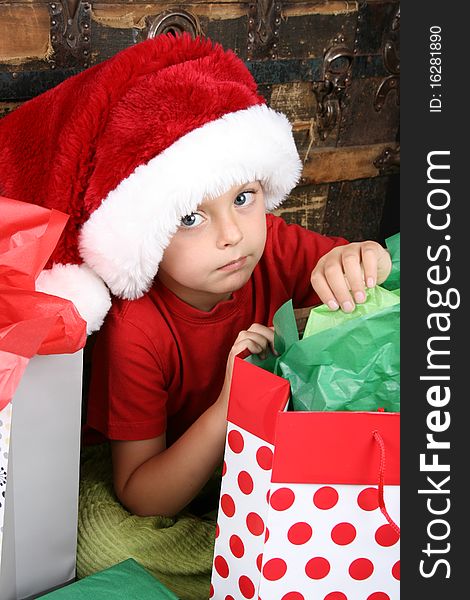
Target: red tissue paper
[{"x": 31, "y": 322}]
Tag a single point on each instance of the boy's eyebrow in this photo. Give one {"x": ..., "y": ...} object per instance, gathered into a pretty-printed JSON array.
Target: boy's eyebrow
[
  {"x": 235, "y": 191},
  {"x": 244, "y": 185}
]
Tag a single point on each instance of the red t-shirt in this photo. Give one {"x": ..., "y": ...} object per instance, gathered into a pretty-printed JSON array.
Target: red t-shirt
[{"x": 159, "y": 363}]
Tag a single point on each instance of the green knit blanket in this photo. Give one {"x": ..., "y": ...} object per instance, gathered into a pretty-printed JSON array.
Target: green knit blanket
[{"x": 177, "y": 550}]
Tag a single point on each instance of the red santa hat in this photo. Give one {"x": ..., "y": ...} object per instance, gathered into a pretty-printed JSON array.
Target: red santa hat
[{"x": 129, "y": 147}]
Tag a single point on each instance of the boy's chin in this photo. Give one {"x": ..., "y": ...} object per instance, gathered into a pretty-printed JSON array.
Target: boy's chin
[
  {"x": 223, "y": 293},
  {"x": 234, "y": 282}
]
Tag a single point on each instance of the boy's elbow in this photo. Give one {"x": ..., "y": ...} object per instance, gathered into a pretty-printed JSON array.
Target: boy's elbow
[
  {"x": 131, "y": 501},
  {"x": 139, "y": 505}
]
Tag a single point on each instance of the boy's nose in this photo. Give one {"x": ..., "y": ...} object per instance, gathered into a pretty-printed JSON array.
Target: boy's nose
[{"x": 229, "y": 233}]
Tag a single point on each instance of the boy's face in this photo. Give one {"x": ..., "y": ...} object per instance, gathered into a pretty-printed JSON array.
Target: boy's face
[{"x": 216, "y": 248}]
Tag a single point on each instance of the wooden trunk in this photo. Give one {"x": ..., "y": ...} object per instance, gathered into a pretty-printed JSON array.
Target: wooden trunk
[{"x": 331, "y": 66}]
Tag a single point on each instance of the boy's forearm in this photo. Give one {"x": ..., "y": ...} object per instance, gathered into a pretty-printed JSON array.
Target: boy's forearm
[{"x": 167, "y": 482}]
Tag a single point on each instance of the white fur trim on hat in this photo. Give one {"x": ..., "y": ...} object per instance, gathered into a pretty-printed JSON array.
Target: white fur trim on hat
[
  {"x": 124, "y": 238},
  {"x": 82, "y": 286}
]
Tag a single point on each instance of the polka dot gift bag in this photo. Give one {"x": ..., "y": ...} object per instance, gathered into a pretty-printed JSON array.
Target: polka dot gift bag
[{"x": 309, "y": 504}]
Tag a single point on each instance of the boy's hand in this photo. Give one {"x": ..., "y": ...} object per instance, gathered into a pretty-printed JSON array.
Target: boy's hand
[
  {"x": 255, "y": 340},
  {"x": 342, "y": 274}
]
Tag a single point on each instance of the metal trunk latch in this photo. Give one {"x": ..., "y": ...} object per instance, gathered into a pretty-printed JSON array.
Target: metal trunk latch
[
  {"x": 70, "y": 33},
  {"x": 264, "y": 21},
  {"x": 388, "y": 162},
  {"x": 391, "y": 58},
  {"x": 336, "y": 73},
  {"x": 175, "y": 22}
]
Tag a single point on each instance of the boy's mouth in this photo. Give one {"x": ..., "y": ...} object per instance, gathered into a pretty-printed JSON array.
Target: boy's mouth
[{"x": 234, "y": 265}]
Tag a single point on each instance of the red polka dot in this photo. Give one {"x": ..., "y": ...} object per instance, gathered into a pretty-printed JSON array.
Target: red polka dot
[
  {"x": 236, "y": 546},
  {"x": 221, "y": 566},
  {"x": 325, "y": 497},
  {"x": 245, "y": 482},
  {"x": 317, "y": 568},
  {"x": 211, "y": 591},
  {"x": 268, "y": 494},
  {"x": 274, "y": 569},
  {"x": 386, "y": 535},
  {"x": 299, "y": 533},
  {"x": 217, "y": 530},
  {"x": 229, "y": 597},
  {"x": 361, "y": 568},
  {"x": 224, "y": 468},
  {"x": 378, "y": 596},
  {"x": 246, "y": 586},
  {"x": 396, "y": 570},
  {"x": 266, "y": 535},
  {"x": 235, "y": 441},
  {"x": 264, "y": 457},
  {"x": 228, "y": 505},
  {"x": 368, "y": 499},
  {"x": 282, "y": 499},
  {"x": 259, "y": 561},
  {"x": 343, "y": 533},
  {"x": 293, "y": 596},
  {"x": 335, "y": 596},
  {"x": 255, "y": 523}
]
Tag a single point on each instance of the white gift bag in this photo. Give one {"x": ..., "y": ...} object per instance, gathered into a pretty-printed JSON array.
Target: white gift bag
[{"x": 38, "y": 545}]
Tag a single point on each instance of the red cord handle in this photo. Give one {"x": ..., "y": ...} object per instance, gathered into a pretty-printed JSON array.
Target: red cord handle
[{"x": 378, "y": 438}]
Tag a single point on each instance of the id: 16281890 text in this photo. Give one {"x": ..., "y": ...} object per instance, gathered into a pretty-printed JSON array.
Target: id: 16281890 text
[{"x": 435, "y": 68}]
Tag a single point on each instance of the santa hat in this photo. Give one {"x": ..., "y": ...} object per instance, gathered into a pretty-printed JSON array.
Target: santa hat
[{"x": 129, "y": 147}]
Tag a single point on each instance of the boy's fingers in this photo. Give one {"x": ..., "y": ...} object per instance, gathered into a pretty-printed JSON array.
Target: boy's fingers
[
  {"x": 341, "y": 276},
  {"x": 324, "y": 292},
  {"x": 271, "y": 343},
  {"x": 256, "y": 339},
  {"x": 266, "y": 338},
  {"x": 266, "y": 332},
  {"x": 384, "y": 265},
  {"x": 332, "y": 288},
  {"x": 354, "y": 274},
  {"x": 369, "y": 264},
  {"x": 273, "y": 349},
  {"x": 341, "y": 292},
  {"x": 246, "y": 344}
]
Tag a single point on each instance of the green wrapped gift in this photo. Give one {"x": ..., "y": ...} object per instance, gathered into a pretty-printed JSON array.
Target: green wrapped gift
[
  {"x": 345, "y": 361},
  {"x": 127, "y": 580}
]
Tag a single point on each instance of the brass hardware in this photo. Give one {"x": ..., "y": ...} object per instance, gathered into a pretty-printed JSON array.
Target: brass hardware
[
  {"x": 175, "y": 22},
  {"x": 70, "y": 33},
  {"x": 329, "y": 92},
  {"x": 391, "y": 58},
  {"x": 264, "y": 20}
]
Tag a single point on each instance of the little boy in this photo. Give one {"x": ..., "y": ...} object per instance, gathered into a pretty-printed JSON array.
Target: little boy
[
  {"x": 162, "y": 364},
  {"x": 167, "y": 160}
]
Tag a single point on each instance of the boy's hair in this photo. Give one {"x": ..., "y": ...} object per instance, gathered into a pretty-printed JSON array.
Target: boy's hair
[{"x": 131, "y": 145}]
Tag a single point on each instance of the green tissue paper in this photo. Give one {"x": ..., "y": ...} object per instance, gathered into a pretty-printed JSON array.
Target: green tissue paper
[{"x": 344, "y": 361}]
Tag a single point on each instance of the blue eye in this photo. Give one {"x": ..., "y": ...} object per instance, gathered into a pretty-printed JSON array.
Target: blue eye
[
  {"x": 191, "y": 220},
  {"x": 243, "y": 198},
  {"x": 188, "y": 220}
]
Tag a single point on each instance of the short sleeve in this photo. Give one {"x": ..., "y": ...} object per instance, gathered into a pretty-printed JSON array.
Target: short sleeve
[
  {"x": 296, "y": 251},
  {"x": 127, "y": 396}
]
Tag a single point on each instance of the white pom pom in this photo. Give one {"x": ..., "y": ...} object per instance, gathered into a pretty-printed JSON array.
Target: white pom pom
[{"x": 82, "y": 286}]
